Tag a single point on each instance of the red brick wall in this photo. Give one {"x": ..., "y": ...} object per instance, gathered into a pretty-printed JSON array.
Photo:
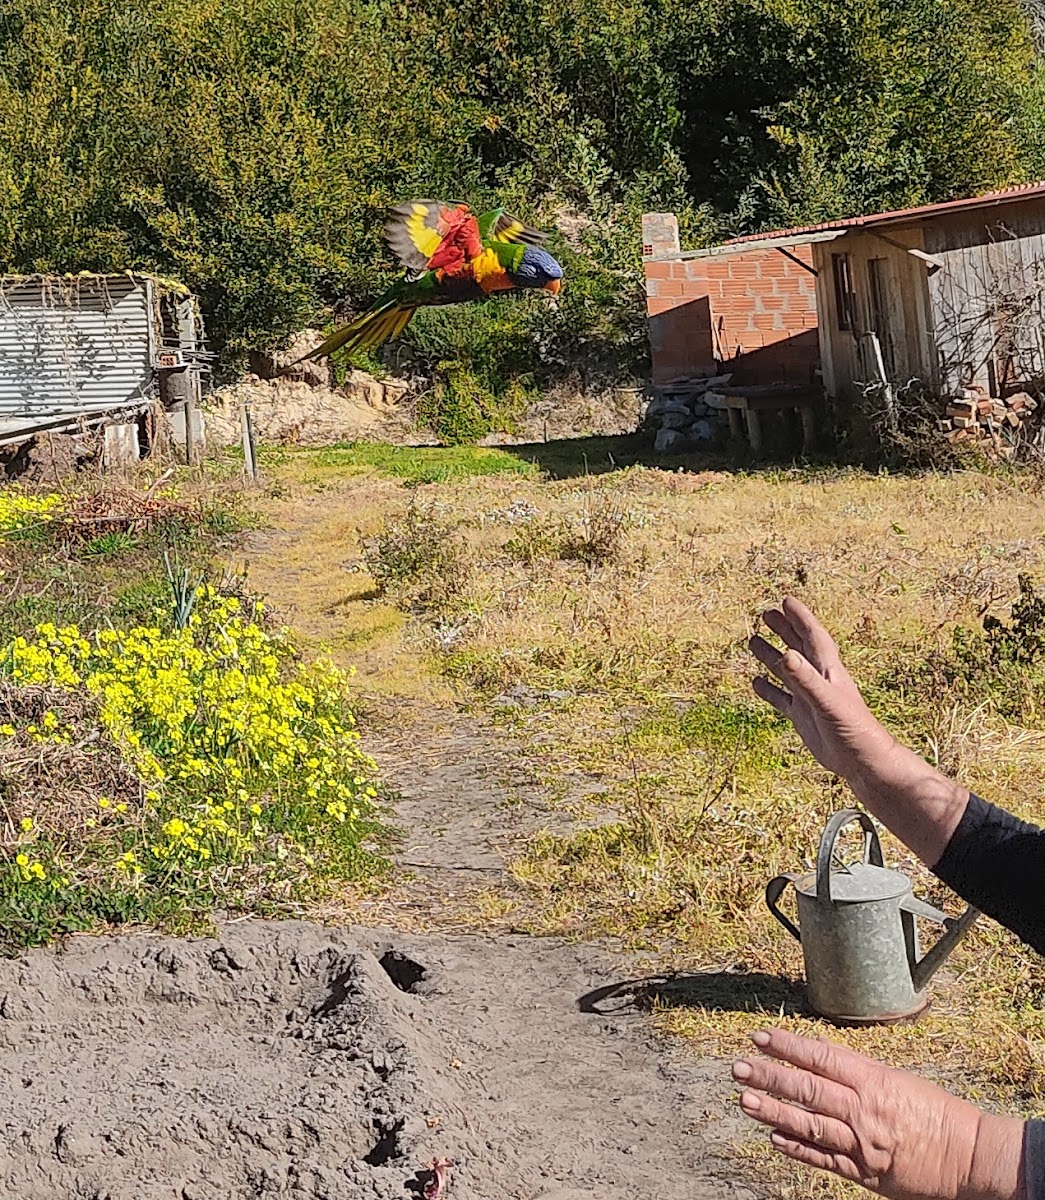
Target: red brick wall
[{"x": 752, "y": 313}]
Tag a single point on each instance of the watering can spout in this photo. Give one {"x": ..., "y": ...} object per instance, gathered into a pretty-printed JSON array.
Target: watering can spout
[{"x": 926, "y": 967}]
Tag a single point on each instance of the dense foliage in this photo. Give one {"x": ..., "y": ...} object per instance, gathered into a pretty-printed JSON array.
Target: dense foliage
[{"x": 252, "y": 147}]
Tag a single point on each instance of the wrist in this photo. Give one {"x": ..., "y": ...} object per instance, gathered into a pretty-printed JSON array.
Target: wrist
[
  {"x": 996, "y": 1168},
  {"x": 911, "y": 797}
]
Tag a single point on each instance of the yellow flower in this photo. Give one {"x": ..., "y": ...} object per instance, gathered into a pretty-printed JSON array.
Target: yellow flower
[
  {"x": 22, "y": 860},
  {"x": 26, "y": 824}
]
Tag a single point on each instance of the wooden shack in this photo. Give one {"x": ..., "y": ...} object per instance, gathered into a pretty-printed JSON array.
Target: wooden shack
[{"x": 947, "y": 296}]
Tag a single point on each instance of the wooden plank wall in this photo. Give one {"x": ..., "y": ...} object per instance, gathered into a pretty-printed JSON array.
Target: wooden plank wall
[
  {"x": 994, "y": 264},
  {"x": 846, "y": 362}
]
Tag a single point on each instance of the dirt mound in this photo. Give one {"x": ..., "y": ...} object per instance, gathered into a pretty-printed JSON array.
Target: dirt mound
[
  {"x": 289, "y": 1060},
  {"x": 264, "y": 1064}
]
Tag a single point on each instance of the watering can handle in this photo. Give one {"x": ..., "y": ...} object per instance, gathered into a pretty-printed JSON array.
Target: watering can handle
[
  {"x": 956, "y": 928},
  {"x": 872, "y": 848},
  {"x": 774, "y": 890}
]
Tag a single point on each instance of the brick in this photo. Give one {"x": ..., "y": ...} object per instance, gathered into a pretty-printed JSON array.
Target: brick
[
  {"x": 670, "y": 287},
  {"x": 658, "y": 270}
]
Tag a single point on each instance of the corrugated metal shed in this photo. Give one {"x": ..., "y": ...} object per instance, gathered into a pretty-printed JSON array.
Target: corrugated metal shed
[{"x": 75, "y": 348}]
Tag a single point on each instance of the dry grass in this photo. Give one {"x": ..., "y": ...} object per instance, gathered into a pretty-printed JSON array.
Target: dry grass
[{"x": 635, "y": 651}]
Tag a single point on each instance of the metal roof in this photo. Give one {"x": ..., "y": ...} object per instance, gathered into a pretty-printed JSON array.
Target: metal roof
[
  {"x": 73, "y": 348},
  {"x": 801, "y": 235}
]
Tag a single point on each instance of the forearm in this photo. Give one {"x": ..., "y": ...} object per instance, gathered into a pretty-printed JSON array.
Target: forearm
[{"x": 917, "y": 803}]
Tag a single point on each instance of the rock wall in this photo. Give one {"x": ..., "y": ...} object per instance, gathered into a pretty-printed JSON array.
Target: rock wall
[{"x": 293, "y": 412}]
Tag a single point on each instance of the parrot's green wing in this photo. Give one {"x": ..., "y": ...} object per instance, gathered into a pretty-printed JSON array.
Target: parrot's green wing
[{"x": 500, "y": 226}]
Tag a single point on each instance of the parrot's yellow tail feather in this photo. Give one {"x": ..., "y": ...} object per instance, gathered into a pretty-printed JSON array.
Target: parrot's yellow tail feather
[{"x": 366, "y": 332}]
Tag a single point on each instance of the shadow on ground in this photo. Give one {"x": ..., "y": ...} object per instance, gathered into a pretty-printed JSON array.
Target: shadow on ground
[
  {"x": 571, "y": 458},
  {"x": 716, "y": 991}
]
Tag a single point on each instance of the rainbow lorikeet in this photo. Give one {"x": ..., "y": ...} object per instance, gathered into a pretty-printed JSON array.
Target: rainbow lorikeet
[{"x": 451, "y": 256}]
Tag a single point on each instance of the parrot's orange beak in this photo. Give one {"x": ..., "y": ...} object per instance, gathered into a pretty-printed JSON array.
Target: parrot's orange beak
[{"x": 554, "y": 286}]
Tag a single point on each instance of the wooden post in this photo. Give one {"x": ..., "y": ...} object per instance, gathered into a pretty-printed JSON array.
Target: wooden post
[
  {"x": 250, "y": 465},
  {"x": 754, "y": 430},
  {"x": 190, "y": 425},
  {"x": 186, "y": 318},
  {"x": 808, "y": 427}
]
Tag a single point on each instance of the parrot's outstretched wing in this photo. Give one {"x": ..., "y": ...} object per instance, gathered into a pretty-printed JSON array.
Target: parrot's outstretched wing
[
  {"x": 500, "y": 226},
  {"x": 415, "y": 230}
]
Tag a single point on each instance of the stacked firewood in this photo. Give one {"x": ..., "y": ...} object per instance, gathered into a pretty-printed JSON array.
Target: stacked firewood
[{"x": 974, "y": 416}]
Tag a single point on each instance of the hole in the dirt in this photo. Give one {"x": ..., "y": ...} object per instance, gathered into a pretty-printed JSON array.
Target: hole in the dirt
[
  {"x": 403, "y": 971},
  {"x": 386, "y": 1148}
]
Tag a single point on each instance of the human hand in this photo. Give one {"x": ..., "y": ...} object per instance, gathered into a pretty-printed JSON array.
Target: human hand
[
  {"x": 823, "y": 703},
  {"x": 919, "y": 804},
  {"x": 890, "y": 1131}
]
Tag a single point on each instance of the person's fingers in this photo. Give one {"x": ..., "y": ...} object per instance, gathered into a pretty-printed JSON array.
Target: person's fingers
[
  {"x": 766, "y": 653},
  {"x": 817, "y": 1055},
  {"x": 817, "y": 644},
  {"x": 795, "y": 672},
  {"x": 782, "y": 627},
  {"x": 815, "y": 1092},
  {"x": 816, "y": 1156},
  {"x": 766, "y": 690},
  {"x": 813, "y": 1127}
]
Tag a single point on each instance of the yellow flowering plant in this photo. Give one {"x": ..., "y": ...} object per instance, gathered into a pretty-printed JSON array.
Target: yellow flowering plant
[
  {"x": 253, "y": 782},
  {"x": 21, "y": 512}
]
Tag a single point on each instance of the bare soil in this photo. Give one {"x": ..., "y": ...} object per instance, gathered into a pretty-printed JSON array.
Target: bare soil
[{"x": 285, "y": 1059}]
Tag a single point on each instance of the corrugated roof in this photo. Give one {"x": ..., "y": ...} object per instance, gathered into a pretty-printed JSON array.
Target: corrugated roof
[
  {"x": 73, "y": 349},
  {"x": 799, "y": 234},
  {"x": 172, "y": 285}
]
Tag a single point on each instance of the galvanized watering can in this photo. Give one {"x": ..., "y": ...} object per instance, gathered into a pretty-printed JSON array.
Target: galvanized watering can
[{"x": 859, "y": 939}]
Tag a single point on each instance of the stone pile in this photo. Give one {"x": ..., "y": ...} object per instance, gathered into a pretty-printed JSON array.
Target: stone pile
[{"x": 687, "y": 414}]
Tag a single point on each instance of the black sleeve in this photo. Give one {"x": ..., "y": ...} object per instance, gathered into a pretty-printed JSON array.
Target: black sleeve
[
  {"x": 996, "y": 863},
  {"x": 1034, "y": 1159}
]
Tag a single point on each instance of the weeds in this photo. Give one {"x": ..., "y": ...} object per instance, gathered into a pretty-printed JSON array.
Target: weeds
[
  {"x": 416, "y": 559},
  {"x": 693, "y": 794},
  {"x": 197, "y": 762}
]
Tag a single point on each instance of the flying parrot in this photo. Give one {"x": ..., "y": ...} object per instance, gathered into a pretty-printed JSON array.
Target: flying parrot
[{"x": 451, "y": 256}]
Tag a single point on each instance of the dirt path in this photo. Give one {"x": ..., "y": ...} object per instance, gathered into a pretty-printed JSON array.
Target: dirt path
[{"x": 542, "y": 1089}]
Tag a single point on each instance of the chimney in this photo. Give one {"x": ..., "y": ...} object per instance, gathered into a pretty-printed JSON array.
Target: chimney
[{"x": 660, "y": 235}]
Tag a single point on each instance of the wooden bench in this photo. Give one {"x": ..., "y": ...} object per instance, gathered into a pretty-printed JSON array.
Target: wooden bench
[{"x": 745, "y": 406}]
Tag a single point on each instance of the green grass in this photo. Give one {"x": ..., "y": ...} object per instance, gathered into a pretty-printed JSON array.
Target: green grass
[{"x": 412, "y": 464}]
